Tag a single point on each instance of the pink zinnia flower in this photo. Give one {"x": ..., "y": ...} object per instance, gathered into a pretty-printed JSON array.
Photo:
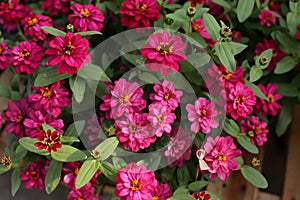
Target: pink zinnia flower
[
  {"x": 71, "y": 170},
  {"x": 236, "y": 35},
  {"x": 202, "y": 115},
  {"x": 87, "y": 192},
  {"x": 161, "y": 118},
  {"x": 256, "y": 129},
  {"x": 35, "y": 119},
  {"x": 48, "y": 140},
  {"x": 53, "y": 6},
  {"x": 240, "y": 101},
  {"x": 166, "y": 94},
  {"x": 4, "y": 56},
  {"x": 26, "y": 57},
  {"x": 179, "y": 149},
  {"x": 139, "y": 13},
  {"x": 267, "y": 17},
  {"x": 12, "y": 13},
  {"x": 277, "y": 53},
  {"x": 34, "y": 175},
  {"x": 163, "y": 52},
  {"x": 135, "y": 182},
  {"x": 161, "y": 192},
  {"x": 220, "y": 155},
  {"x": 15, "y": 115},
  {"x": 86, "y": 17},
  {"x": 195, "y": 2},
  {"x": 125, "y": 97},
  {"x": 133, "y": 131},
  {"x": 32, "y": 26},
  {"x": 270, "y": 106},
  {"x": 69, "y": 52},
  {"x": 50, "y": 98},
  {"x": 198, "y": 26},
  {"x": 201, "y": 195}
]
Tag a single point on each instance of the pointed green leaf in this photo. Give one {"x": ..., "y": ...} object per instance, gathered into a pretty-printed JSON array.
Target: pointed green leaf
[
  {"x": 86, "y": 172},
  {"x": 183, "y": 175},
  {"x": 245, "y": 142},
  {"x": 181, "y": 197},
  {"x": 255, "y": 73},
  {"x": 197, "y": 186},
  {"x": 15, "y": 182},
  {"x": 69, "y": 139},
  {"x": 53, "y": 176},
  {"x": 47, "y": 127},
  {"x": 237, "y": 47},
  {"x": 224, "y": 53},
  {"x": 4, "y": 92},
  {"x": 89, "y": 33},
  {"x": 286, "y": 64},
  {"x": 68, "y": 154},
  {"x": 93, "y": 72},
  {"x": 231, "y": 127},
  {"x": 257, "y": 91},
  {"x": 287, "y": 90},
  {"x": 53, "y": 31},
  {"x": 108, "y": 170},
  {"x": 28, "y": 144},
  {"x": 244, "y": 9},
  {"x": 292, "y": 22},
  {"x": 212, "y": 26},
  {"x": 107, "y": 147},
  {"x": 254, "y": 177},
  {"x": 49, "y": 76},
  {"x": 4, "y": 169},
  {"x": 79, "y": 89},
  {"x": 75, "y": 129},
  {"x": 284, "y": 118}
]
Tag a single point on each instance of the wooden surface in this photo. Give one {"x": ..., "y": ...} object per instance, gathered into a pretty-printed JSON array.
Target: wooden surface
[{"x": 292, "y": 176}]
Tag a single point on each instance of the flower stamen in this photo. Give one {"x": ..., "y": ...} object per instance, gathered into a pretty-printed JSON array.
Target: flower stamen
[{"x": 135, "y": 185}]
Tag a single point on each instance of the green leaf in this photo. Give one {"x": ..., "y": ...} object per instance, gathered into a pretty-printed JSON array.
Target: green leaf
[
  {"x": 179, "y": 15},
  {"x": 88, "y": 33},
  {"x": 119, "y": 162},
  {"x": 15, "y": 182},
  {"x": 181, "y": 197},
  {"x": 134, "y": 59},
  {"x": 15, "y": 96},
  {"x": 107, "y": 147},
  {"x": 224, "y": 53},
  {"x": 257, "y": 91},
  {"x": 286, "y": 42},
  {"x": 69, "y": 139},
  {"x": 197, "y": 186},
  {"x": 231, "y": 127},
  {"x": 28, "y": 144},
  {"x": 4, "y": 92},
  {"x": 181, "y": 190},
  {"x": 255, "y": 73},
  {"x": 53, "y": 31},
  {"x": 75, "y": 128},
  {"x": 245, "y": 142},
  {"x": 292, "y": 22},
  {"x": 244, "y": 9},
  {"x": 240, "y": 161},
  {"x": 20, "y": 153},
  {"x": 49, "y": 76},
  {"x": 265, "y": 54},
  {"x": 93, "y": 72},
  {"x": 223, "y": 3},
  {"x": 47, "y": 127},
  {"x": 212, "y": 195},
  {"x": 254, "y": 177},
  {"x": 147, "y": 77},
  {"x": 284, "y": 118},
  {"x": 172, "y": 6},
  {"x": 237, "y": 47},
  {"x": 68, "y": 154},
  {"x": 15, "y": 82},
  {"x": 86, "y": 172},
  {"x": 286, "y": 64},
  {"x": 212, "y": 26},
  {"x": 287, "y": 90},
  {"x": 53, "y": 176},
  {"x": 295, "y": 7},
  {"x": 4, "y": 169},
  {"x": 108, "y": 170},
  {"x": 79, "y": 89},
  {"x": 183, "y": 175},
  {"x": 151, "y": 163}
]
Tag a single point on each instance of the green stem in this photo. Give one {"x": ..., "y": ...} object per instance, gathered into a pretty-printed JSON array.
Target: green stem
[{"x": 20, "y": 32}]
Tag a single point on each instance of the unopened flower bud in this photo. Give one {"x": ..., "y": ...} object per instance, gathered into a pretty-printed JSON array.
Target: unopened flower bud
[
  {"x": 225, "y": 31},
  {"x": 294, "y": 1},
  {"x": 255, "y": 162},
  {"x": 5, "y": 161},
  {"x": 96, "y": 154},
  {"x": 191, "y": 11},
  {"x": 169, "y": 21},
  {"x": 70, "y": 28},
  {"x": 263, "y": 60}
]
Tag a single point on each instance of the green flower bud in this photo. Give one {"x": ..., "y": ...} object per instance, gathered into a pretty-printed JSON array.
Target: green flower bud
[
  {"x": 191, "y": 11},
  {"x": 225, "y": 31},
  {"x": 70, "y": 28},
  {"x": 169, "y": 21}
]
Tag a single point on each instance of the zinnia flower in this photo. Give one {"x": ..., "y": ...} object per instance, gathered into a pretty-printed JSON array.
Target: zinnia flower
[
  {"x": 32, "y": 26},
  {"x": 87, "y": 192},
  {"x": 34, "y": 175},
  {"x": 68, "y": 52},
  {"x": 53, "y": 6},
  {"x": 163, "y": 52},
  {"x": 256, "y": 129},
  {"x": 270, "y": 106},
  {"x": 48, "y": 140},
  {"x": 220, "y": 155},
  {"x": 50, "y": 98},
  {"x": 139, "y": 13},
  {"x": 26, "y": 57},
  {"x": 267, "y": 17},
  {"x": 166, "y": 94},
  {"x": 201, "y": 195},
  {"x": 15, "y": 115},
  {"x": 135, "y": 182},
  {"x": 125, "y": 97},
  {"x": 4, "y": 56},
  {"x": 86, "y": 17},
  {"x": 202, "y": 115},
  {"x": 161, "y": 118},
  {"x": 161, "y": 192},
  {"x": 12, "y": 13},
  {"x": 277, "y": 53},
  {"x": 35, "y": 119},
  {"x": 240, "y": 101},
  {"x": 133, "y": 132},
  {"x": 198, "y": 26}
]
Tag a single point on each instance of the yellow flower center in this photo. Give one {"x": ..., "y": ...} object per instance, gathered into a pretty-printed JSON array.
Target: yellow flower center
[
  {"x": 275, "y": 53},
  {"x": 241, "y": 99},
  {"x": 5, "y": 161},
  {"x": 161, "y": 118},
  {"x": 24, "y": 53},
  {"x": 258, "y": 130},
  {"x": 79, "y": 198},
  {"x": 271, "y": 98},
  {"x": 226, "y": 75},
  {"x": 164, "y": 48},
  {"x": 76, "y": 171},
  {"x": 140, "y": 7},
  {"x": 85, "y": 12},
  {"x": 1, "y": 50},
  {"x": 222, "y": 157},
  {"x": 135, "y": 185},
  {"x": 155, "y": 198},
  {"x": 196, "y": 27},
  {"x": 203, "y": 112},
  {"x": 47, "y": 93},
  {"x": 20, "y": 117},
  {"x": 68, "y": 49},
  {"x": 32, "y": 22},
  {"x": 167, "y": 96},
  {"x": 124, "y": 98},
  {"x": 34, "y": 175},
  {"x": 133, "y": 129}
]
